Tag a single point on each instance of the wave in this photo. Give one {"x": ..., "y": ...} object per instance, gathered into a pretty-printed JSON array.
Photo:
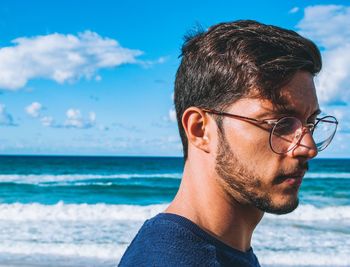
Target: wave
[
  {"x": 55, "y": 254},
  {"x": 104, "y": 212},
  {"x": 61, "y": 178},
  {"x": 105, "y": 179},
  {"x": 97, "y": 235},
  {"x": 110, "y": 255},
  {"x": 96, "y": 186},
  {"x": 77, "y": 212},
  {"x": 273, "y": 258},
  {"x": 325, "y": 175},
  {"x": 312, "y": 213}
]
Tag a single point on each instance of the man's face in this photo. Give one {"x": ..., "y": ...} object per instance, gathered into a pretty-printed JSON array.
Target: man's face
[{"x": 249, "y": 171}]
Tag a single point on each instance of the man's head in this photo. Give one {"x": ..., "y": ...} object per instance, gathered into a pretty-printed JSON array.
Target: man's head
[
  {"x": 262, "y": 73},
  {"x": 239, "y": 59}
]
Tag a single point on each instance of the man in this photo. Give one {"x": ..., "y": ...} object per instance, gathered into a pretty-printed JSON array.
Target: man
[{"x": 247, "y": 114}]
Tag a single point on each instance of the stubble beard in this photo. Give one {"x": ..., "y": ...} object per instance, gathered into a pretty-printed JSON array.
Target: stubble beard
[{"x": 243, "y": 185}]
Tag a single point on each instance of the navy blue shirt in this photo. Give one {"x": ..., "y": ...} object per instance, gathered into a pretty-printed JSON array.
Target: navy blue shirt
[{"x": 172, "y": 240}]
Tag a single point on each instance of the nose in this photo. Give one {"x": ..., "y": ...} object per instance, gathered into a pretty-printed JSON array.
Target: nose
[{"x": 305, "y": 147}]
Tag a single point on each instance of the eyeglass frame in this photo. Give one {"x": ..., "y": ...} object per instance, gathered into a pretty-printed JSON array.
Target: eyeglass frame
[{"x": 310, "y": 126}]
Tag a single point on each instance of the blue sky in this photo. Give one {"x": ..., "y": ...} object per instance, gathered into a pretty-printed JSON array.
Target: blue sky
[{"x": 96, "y": 77}]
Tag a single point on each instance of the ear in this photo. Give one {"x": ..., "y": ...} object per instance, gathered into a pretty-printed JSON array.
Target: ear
[{"x": 195, "y": 123}]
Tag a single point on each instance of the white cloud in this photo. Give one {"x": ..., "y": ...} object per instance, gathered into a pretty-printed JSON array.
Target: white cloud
[
  {"x": 34, "y": 109},
  {"x": 47, "y": 121},
  {"x": 62, "y": 58},
  {"x": 76, "y": 120},
  {"x": 340, "y": 112},
  {"x": 149, "y": 63},
  {"x": 103, "y": 128},
  {"x": 172, "y": 115},
  {"x": 5, "y": 117},
  {"x": 92, "y": 116},
  {"x": 327, "y": 25},
  {"x": 294, "y": 10}
]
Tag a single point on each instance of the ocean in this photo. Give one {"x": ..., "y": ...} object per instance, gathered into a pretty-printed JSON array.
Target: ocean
[{"x": 84, "y": 211}]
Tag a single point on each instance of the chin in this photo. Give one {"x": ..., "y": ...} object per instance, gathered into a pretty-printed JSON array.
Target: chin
[
  {"x": 282, "y": 203},
  {"x": 284, "y": 206}
]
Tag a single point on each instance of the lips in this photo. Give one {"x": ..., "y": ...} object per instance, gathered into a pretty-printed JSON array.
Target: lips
[
  {"x": 294, "y": 181},
  {"x": 294, "y": 178}
]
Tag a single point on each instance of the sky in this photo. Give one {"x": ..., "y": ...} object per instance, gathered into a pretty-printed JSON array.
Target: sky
[{"x": 96, "y": 77}]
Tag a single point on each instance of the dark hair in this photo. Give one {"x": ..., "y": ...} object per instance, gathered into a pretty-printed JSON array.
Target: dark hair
[{"x": 235, "y": 59}]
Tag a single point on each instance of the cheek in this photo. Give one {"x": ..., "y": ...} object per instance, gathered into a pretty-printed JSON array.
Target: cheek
[
  {"x": 252, "y": 146},
  {"x": 253, "y": 150},
  {"x": 249, "y": 142}
]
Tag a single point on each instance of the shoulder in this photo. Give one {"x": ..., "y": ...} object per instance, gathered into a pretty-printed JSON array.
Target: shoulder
[
  {"x": 172, "y": 240},
  {"x": 163, "y": 241}
]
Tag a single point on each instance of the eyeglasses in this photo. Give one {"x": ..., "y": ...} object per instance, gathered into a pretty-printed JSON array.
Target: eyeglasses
[{"x": 287, "y": 132}]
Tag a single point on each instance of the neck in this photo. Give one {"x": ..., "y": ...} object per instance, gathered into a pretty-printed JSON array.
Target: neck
[{"x": 202, "y": 200}]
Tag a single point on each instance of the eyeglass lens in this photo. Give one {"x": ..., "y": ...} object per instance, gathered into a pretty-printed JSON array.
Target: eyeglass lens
[
  {"x": 324, "y": 132},
  {"x": 287, "y": 133}
]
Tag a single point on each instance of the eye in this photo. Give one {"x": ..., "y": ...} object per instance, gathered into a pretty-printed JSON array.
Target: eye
[{"x": 287, "y": 126}]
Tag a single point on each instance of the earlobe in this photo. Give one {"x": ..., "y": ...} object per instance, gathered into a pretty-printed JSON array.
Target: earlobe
[{"x": 195, "y": 123}]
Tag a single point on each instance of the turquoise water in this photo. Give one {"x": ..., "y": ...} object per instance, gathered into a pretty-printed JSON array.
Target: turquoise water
[
  {"x": 110, "y": 180},
  {"x": 84, "y": 211},
  {"x": 136, "y": 181}
]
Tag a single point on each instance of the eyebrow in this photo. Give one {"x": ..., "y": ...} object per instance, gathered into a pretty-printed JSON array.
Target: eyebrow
[{"x": 290, "y": 111}]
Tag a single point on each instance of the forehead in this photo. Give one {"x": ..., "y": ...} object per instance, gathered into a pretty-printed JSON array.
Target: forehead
[
  {"x": 298, "y": 98},
  {"x": 300, "y": 94}
]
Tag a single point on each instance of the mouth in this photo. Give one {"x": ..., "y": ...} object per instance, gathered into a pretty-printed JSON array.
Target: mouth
[{"x": 293, "y": 179}]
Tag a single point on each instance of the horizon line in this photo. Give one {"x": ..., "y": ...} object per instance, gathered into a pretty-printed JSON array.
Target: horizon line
[{"x": 120, "y": 156}]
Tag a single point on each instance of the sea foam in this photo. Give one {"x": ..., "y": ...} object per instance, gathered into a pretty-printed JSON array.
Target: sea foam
[
  {"x": 58, "y": 178},
  {"x": 325, "y": 175},
  {"x": 312, "y": 213},
  {"x": 303, "y": 259},
  {"x": 77, "y": 212},
  {"x": 50, "y": 178},
  {"x": 96, "y": 212}
]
